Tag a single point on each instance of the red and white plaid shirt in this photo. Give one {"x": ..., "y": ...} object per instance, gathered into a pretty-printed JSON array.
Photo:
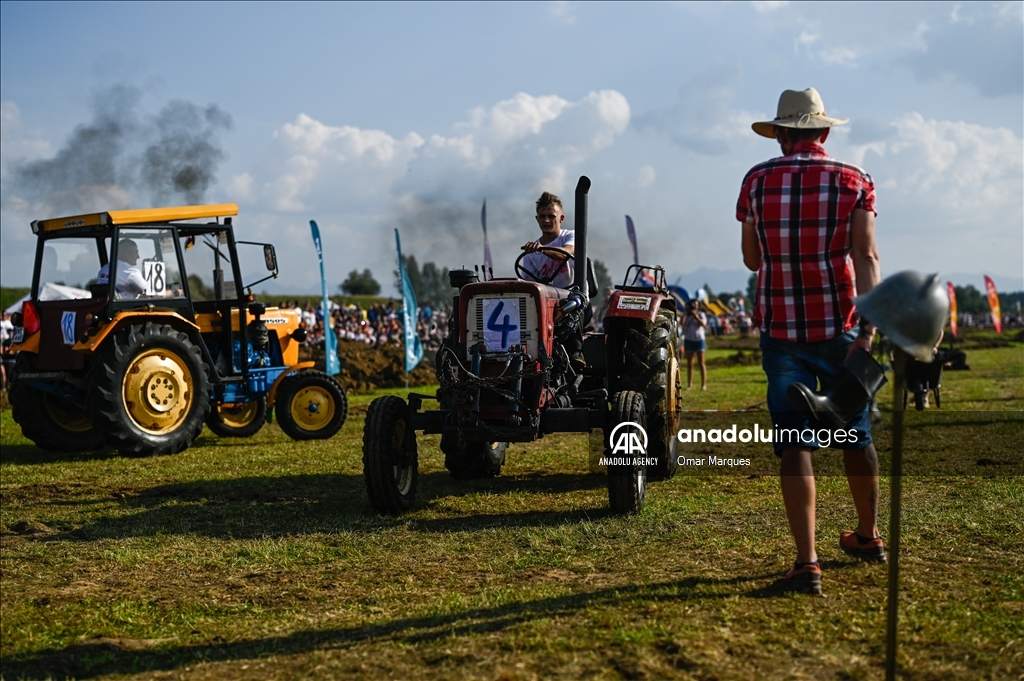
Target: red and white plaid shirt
[{"x": 802, "y": 206}]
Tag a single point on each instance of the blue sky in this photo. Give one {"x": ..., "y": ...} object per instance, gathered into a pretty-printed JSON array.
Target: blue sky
[{"x": 367, "y": 117}]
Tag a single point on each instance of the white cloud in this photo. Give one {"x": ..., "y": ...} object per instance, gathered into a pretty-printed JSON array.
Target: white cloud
[
  {"x": 976, "y": 43},
  {"x": 645, "y": 177},
  {"x": 562, "y": 11},
  {"x": 703, "y": 119},
  {"x": 768, "y": 5},
  {"x": 240, "y": 186},
  {"x": 949, "y": 193},
  {"x": 969, "y": 170},
  {"x": 327, "y": 165},
  {"x": 519, "y": 144},
  {"x": 19, "y": 143},
  {"x": 360, "y": 184}
]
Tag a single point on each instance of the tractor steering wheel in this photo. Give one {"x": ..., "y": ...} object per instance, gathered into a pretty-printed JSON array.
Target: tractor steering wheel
[{"x": 532, "y": 276}]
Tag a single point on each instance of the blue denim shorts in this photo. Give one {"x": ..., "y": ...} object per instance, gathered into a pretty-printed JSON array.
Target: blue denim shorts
[
  {"x": 817, "y": 366},
  {"x": 694, "y": 346}
]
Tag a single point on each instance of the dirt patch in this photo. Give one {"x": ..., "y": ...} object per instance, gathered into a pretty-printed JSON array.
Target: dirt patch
[
  {"x": 365, "y": 368},
  {"x": 741, "y": 358}
]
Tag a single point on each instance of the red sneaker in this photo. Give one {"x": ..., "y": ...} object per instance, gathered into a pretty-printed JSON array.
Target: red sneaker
[
  {"x": 857, "y": 546},
  {"x": 804, "y": 578}
]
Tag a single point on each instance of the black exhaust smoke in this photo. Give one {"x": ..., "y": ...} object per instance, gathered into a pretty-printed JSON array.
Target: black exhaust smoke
[{"x": 171, "y": 157}]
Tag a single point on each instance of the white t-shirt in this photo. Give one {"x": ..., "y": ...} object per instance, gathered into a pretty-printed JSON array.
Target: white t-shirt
[
  {"x": 130, "y": 282},
  {"x": 544, "y": 266},
  {"x": 692, "y": 329}
]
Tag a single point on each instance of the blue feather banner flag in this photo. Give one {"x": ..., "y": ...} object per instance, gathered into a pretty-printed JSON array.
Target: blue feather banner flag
[
  {"x": 330, "y": 340},
  {"x": 681, "y": 295},
  {"x": 413, "y": 346},
  {"x": 631, "y": 233}
]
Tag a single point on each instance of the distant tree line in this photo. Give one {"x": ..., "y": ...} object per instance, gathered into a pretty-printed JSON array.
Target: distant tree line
[
  {"x": 360, "y": 284},
  {"x": 970, "y": 299},
  {"x": 430, "y": 283}
]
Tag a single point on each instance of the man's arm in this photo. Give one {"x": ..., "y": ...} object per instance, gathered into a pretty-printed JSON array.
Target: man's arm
[
  {"x": 866, "y": 265},
  {"x": 534, "y": 246},
  {"x": 131, "y": 281},
  {"x": 751, "y": 247}
]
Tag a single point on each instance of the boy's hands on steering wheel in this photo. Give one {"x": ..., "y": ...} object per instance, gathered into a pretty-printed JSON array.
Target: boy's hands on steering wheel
[{"x": 552, "y": 252}]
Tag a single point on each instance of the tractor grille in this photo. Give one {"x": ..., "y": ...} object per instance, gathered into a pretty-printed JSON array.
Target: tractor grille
[
  {"x": 528, "y": 326},
  {"x": 480, "y": 314}
]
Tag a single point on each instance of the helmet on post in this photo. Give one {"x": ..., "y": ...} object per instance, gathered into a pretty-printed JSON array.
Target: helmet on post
[{"x": 910, "y": 308}]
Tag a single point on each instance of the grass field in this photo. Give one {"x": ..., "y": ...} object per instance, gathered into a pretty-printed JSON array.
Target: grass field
[{"x": 261, "y": 559}]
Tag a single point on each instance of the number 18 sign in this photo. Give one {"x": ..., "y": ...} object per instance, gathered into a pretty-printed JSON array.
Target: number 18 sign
[{"x": 501, "y": 324}]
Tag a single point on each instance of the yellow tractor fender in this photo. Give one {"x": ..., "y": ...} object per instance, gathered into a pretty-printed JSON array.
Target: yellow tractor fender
[
  {"x": 31, "y": 344},
  {"x": 93, "y": 342},
  {"x": 272, "y": 394}
]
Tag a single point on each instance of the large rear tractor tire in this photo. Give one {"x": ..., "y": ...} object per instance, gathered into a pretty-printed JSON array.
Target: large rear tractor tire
[
  {"x": 311, "y": 406},
  {"x": 239, "y": 419},
  {"x": 149, "y": 390},
  {"x": 52, "y": 423},
  {"x": 627, "y": 480},
  {"x": 472, "y": 460},
  {"x": 652, "y": 369},
  {"x": 390, "y": 470}
]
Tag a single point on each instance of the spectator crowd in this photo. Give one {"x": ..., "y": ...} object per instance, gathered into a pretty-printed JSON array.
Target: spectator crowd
[{"x": 377, "y": 325}]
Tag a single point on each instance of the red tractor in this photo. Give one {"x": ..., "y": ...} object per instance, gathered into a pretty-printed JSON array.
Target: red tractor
[{"x": 506, "y": 376}]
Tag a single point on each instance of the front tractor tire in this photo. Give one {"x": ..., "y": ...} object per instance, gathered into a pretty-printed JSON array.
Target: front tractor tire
[
  {"x": 52, "y": 423},
  {"x": 311, "y": 405},
  {"x": 472, "y": 460},
  {"x": 390, "y": 459},
  {"x": 149, "y": 390},
  {"x": 627, "y": 483},
  {"x": 652, "y": 369},
  {"x": 240, "y": 419}
]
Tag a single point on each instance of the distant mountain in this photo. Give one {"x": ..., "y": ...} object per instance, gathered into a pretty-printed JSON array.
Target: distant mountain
[
  {"x": 730, "y": 281},
  {"x": 1003, "y": 284},
  {"x": 720, "y": 281}
]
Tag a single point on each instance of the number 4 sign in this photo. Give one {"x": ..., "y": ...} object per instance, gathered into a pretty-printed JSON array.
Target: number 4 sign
[{"x": 501, "y": 324}]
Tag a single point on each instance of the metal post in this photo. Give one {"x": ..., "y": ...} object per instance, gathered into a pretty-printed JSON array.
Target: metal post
[{"x": 899, "y": 363}]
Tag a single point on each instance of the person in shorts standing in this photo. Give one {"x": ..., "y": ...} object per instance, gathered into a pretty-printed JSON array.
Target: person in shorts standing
[
  {"x": 695, "y": 343},
  {"x": 808, "y": 230}
]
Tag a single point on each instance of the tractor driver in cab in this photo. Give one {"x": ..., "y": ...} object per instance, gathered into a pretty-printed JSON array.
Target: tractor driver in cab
[
  {"x": 549, "y": 264},
  {"x": 557, "y": 269},
  {"x": 129, "y": 282}
]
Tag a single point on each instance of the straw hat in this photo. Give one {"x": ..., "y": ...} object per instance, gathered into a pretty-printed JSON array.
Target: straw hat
[{"x": 798, "y": 109}]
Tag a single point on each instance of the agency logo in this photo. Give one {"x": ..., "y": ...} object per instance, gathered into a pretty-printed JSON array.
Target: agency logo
[{"x": 628, "y": 439}]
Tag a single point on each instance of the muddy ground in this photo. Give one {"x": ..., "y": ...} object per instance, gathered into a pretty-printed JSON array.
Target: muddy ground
[{"x": 365, "y": 368}]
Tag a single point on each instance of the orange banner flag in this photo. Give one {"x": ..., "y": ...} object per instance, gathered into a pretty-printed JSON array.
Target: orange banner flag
[
  {"x": 993, "y": 302},
  {"x": 952, "y": 307}
]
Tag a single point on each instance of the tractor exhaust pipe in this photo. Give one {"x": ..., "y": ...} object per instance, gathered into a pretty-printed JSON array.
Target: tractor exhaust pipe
[{"x": 580, "y": 278}]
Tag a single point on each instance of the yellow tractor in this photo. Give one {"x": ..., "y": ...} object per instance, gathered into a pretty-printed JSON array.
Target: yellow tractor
[{"x": 166, "y": 340}]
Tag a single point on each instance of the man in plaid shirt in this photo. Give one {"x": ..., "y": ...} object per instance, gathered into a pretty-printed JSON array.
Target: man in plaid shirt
[{"x": 809, "y": 233}]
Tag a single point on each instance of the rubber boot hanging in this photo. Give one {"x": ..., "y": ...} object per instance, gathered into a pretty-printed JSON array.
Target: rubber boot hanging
[{"x": 859, "y": 379}]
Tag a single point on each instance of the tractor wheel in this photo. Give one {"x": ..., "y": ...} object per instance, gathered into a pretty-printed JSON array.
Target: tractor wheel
[
  {"x": 149, "y": 390},
  {"x": 390, "y": 470},
  {"x": 239, "y": 419},
  {"x": 50, "y": 422},
  {"x": 311, "y": 406},
  {"x": 472, "y": 460},
  {"x": 627, "y": 482},
  {"x": 652, "y": 369}
]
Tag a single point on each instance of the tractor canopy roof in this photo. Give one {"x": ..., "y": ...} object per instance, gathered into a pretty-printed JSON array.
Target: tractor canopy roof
[{"x": 134, "y": 217}]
